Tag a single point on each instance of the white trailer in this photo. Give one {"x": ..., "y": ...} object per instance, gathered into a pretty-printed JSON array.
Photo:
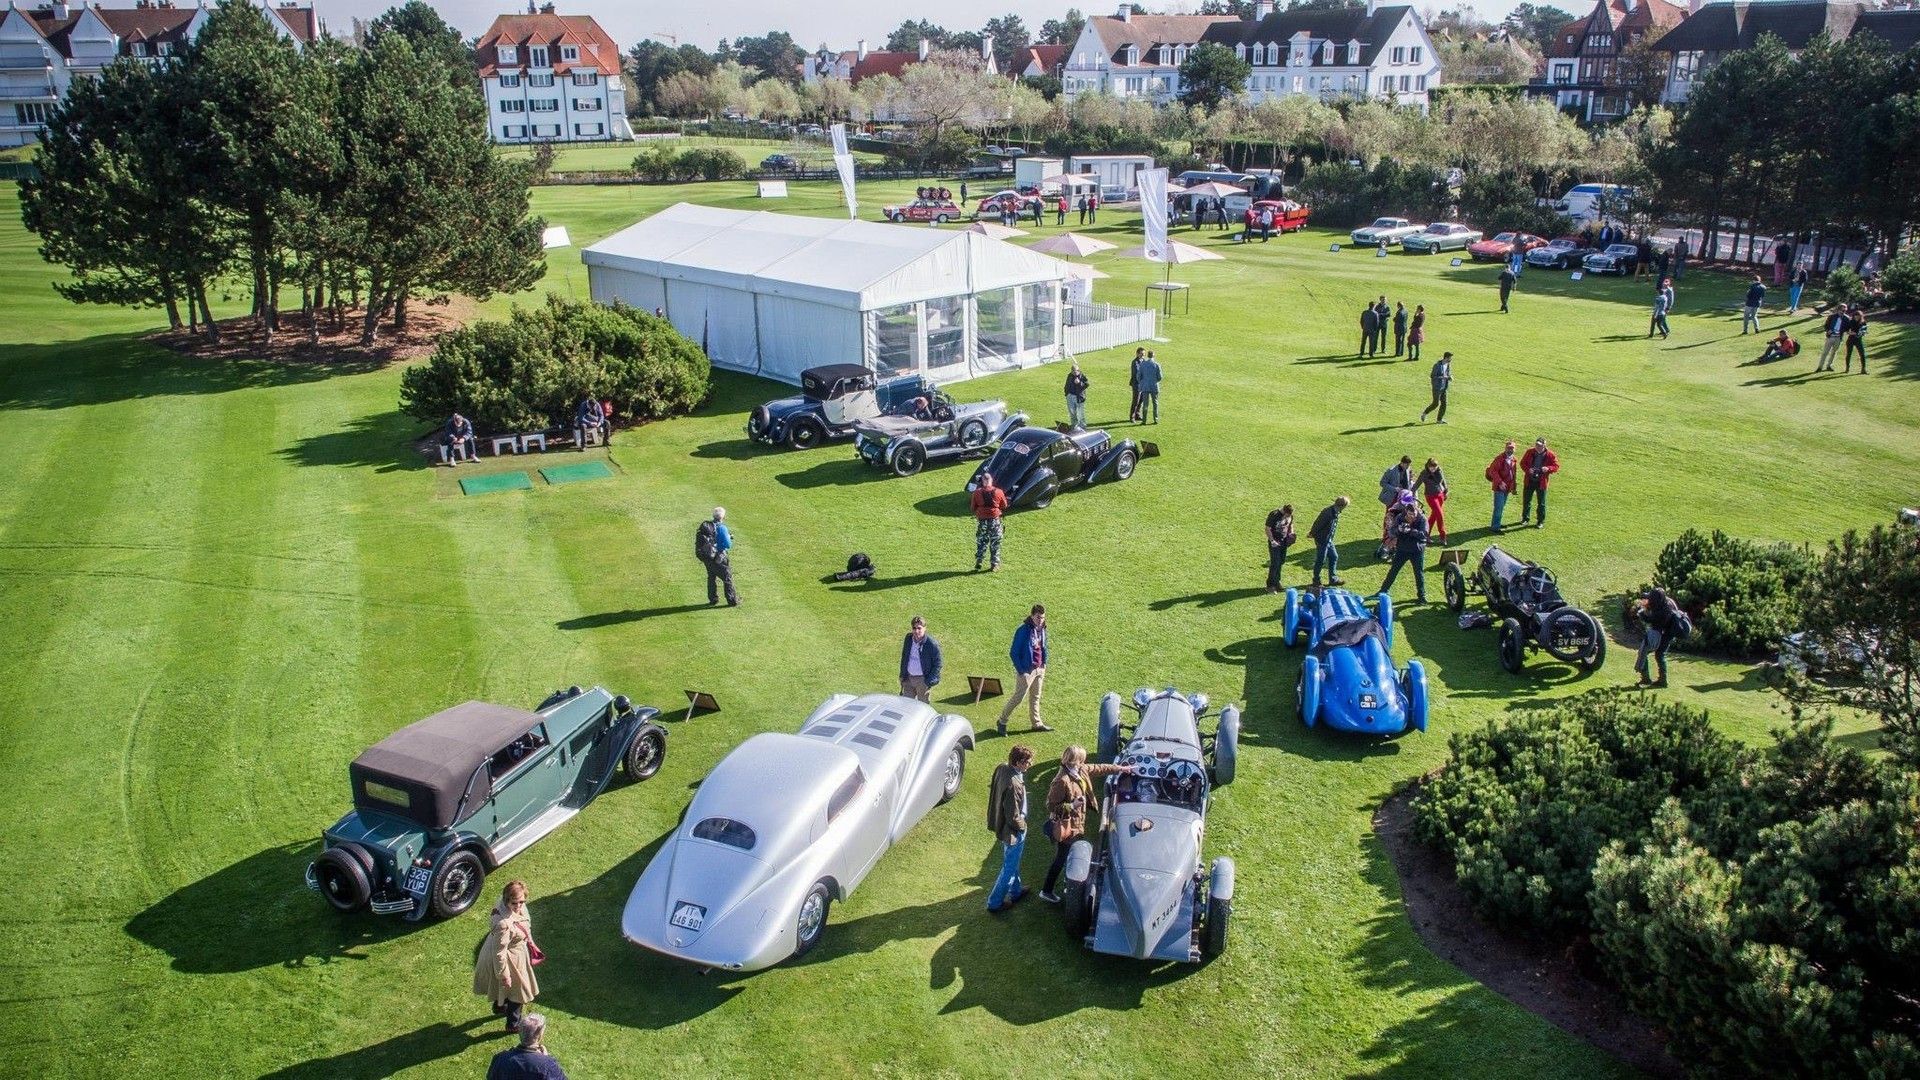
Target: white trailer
[
  {"x": 1118, "y": 174},
  {"x": 1029, "y": 171}
]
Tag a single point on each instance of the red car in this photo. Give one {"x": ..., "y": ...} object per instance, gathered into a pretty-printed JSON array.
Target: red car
[
  {"x": 1288, "y": 216},
  {"x": 940, "y": 210},
  {"x": 1501, "y": 246},
  {"x": 1022, "y": 205}
]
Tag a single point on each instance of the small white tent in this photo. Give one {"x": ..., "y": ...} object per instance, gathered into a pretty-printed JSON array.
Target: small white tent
[{"x": 774, "y": 294}]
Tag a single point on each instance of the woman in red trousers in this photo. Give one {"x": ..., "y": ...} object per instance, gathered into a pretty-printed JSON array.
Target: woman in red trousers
[{"x": 1433, "y": 484}]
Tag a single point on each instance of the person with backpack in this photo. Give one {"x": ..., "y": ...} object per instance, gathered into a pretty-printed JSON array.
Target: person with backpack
[
  {"x": 1279, "y": 539},
  {"x": 1501, "y": 473},
  {"x": 1662, "y": 623},
  {"x": 712, "y": 545},
  {"x": 1007, "y": 821},
  {"x": 1321, "y": 533},
  {"x": 1396, "y": 479}
]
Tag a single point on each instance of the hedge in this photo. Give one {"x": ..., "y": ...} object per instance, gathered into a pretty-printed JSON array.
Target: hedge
[{"x": 1742, "y": 595}]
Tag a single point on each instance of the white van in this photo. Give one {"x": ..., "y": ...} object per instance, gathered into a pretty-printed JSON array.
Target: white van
[{"x": 1585, "y": 202}]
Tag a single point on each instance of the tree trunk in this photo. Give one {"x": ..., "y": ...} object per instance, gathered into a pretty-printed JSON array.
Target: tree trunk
[
  {"x": 400, "y": 310},
  {"x": 206, "y": 313},
  {"x": 173, "y": 311}
]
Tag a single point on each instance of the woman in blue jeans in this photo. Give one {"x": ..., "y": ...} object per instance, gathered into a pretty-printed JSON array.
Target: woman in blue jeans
[{"x": 1659, "y": 618}]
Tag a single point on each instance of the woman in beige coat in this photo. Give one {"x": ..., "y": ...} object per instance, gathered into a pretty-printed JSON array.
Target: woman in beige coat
[
  {"x": 503, "y": 974},
  {"x": 1067, "y": 800}
]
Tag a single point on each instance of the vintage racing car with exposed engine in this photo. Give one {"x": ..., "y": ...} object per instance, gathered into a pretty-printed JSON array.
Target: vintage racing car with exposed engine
[
  {"x": 1139, "y": 888},
  {"x": 1347, "y": 680},
  {"x": 446, "y": 800},
  {"x": 786, "y": 825},
  {"x": 1531, "y": 612},
  {"x": 944, "y": 428},
  {"x": 1034, "y": 464},
  {"x": 832, "y": 399}
]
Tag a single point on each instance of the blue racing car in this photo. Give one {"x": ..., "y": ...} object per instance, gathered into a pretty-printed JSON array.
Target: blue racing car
[{"x": 1347, "y": 679}]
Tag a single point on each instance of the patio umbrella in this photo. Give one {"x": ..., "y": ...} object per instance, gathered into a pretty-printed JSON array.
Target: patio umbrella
[
  {"x": 1072, "y": 244},
  {"x": 1213, "y": 189},
  {"x": 1177, "y": 252},
  {"x": 997, "y": 232},
  {"x": 1085, "y": 272}
]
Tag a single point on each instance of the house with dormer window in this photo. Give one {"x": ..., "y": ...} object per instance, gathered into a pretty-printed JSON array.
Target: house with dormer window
[
  {"x": 1582, "y": 73},
  {"x": 1378, "y": 51},
  {"x": 549, "y": 77}
]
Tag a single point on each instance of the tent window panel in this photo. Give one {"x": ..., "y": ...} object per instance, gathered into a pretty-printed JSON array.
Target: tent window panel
[
  {"x": 893, "y": 332},
  {"x": 998, "y": 323},
  {"x": 946, "y": 326},
  {"x": 1038, "y": 315}
]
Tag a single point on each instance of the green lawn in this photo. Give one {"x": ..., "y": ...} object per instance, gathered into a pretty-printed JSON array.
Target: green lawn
[
  {"x": 610, "y": 157},
  {"x": 222, "y": 580}
]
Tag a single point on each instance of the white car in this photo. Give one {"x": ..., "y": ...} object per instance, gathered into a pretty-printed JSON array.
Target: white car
[
  {"x": 787, "y": 824},
  {"x": 1385, "y": 232}
]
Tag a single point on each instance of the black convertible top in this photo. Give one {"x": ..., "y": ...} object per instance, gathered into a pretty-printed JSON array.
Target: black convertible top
[
  {"x": 818, "y": 381},
  {"x": 431, "y": 761}
]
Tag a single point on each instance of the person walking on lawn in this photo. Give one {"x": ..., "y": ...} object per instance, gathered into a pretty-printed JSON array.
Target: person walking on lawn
[
  {"x": 1441, "y": 377},
  {"x": 1662, "y": 304},
  {"x": 919, "y": 662},
  {"x": 1856, "y": 338},
  {"x": 1076, "y": 397},
  {"x": 1500, "y": 473},
  {"x": 1007, "y": 821},
  {"x": 989, "y": 528},
  {"x": 1279, "y": 539},
  {"x": 1149, "y": 387},
  {"x": 1029, "y": 656},
  {"x": 1321, "y": 533},
  {"x": 1756, "y": 295},
  {"x": 1433, "y": 485},
  {"x": 1133, "y": 382},
  {"x": 1399, "y": 328},
  {"x": 712, "y": 545},
  {"x": 1836, "y": 328},
  {"x": 1067, "y": 800},
  {"x": 1060, "y": 210},
  {"x": 1417, "y": 333},
  {"x": 1409, "y": 546},
  {"x": 1396, "y": 479},
  {"x": 1537, "y": 466},
  {"x": 1507, "y": 280},
  {"x": 503, "y": 969},
  {"x": 1796, "y": 284},
  {"x": 1369, "y": 325}
]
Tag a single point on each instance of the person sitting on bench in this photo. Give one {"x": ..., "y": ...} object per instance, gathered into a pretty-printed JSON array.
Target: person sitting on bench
[
  {"x": 458, "y": 443},
  {"x": 590, "y": 417},
  {"x": 1780, "y": 348}
]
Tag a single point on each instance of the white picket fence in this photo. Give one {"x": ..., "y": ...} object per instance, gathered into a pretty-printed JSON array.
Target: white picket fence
[{"x": 1095, "y": 326}]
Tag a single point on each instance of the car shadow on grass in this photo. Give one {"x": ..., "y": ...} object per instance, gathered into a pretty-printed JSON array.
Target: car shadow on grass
[
  {"x": 435, "y": 1042},
  {"x": 1208, "y": 599},
  {"x": 254, "y": 914},
  {"x": 833, "y": 473},
  {"x": 741, "y": 449},
  {"x": 952, "y": 504},
  {"x": 615, "y": 618}
]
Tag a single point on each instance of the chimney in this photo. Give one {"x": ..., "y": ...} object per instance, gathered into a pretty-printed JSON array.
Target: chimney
[
  {"x": 1694, "y": 6},
  {"x": 1125, "y": 13},
  {"x": 860, "y": 50},
  {"x": 60, "y": 10},
  {"x": 1262, "y": 9},
  {"x": 923, "y": 48}
]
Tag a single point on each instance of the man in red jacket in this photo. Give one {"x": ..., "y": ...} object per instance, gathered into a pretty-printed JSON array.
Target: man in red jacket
[
  {"x": 1538, "y": 465},
  {"x": 1500, "y": 474}
]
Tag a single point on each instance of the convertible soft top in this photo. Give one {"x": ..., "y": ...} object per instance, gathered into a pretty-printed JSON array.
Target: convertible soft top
[
  {"x": 431, "y": 761},
  {"x": 818, "y": 381}
]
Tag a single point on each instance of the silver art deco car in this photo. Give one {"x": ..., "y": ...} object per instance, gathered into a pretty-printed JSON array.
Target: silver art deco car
[
  {"x": 787, "y": 824},
  {"x": 1385, "y": 232},
  {"x": 1141, "y": 889}
]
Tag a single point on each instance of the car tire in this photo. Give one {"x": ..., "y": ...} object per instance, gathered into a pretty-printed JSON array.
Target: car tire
[
  {"x": 1417, "y": 701},
  {"x": 1077, "y": 894},
  {"x": 456, "y": 884},
  {"x": 1290, "y": 619},
  {"x": 810, "y": 920},
  {"x": 343, "y": 880},
  {"x": 941, "y": 219},
  {"x": 1107, "y": 744},
  {"x": 758, "y": 421},
  {"x": 1594, "y": 660},
  {"x": 1047, "y": 489},
  {"x": 1123, "y": 468},
  {"x": 955, "y": 771},
  {"x": 1226, "y": 747},
  {"x": 805, "y": 434},
  {"x": 909, "y": 458},
  {"x": 1306, "y": 692},
  {"x": 645, "y": 754},
  {"x": 1513, "y": 646},
  {"x": 973, "y": 434},
  {"x": 1383, "y": 613},
  {"x": 1453, "y": 585},
  {"x": 1219, "y": 911}
]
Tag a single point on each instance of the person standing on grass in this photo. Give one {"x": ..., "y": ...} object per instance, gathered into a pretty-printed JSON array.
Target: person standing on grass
[
  {"x": 1133, "y": 382},
  {"x": 1279, "y": 539},
  {"x": 1507, "y": 278},
  {"x": 1856, "y": 338},
  {"x": 713, "y": 546},
  {"x": 1796, "y": 284},
  {"x": 1321, "y": 533},
  {"x": 1782, "y": 256},
  {"x": 1417, "y": 332},
  {"x": 1396, "y": 479},
  {"x": 1076, "y": 397},
  {"x": 1836, "y": 327},
  {"x": 1382, "y": 320},
  {"x": 529, "y": 1060},
  {"x": 1662, "y": 304},
  {"x": 1369, "y": 323},
  {"x": 1501, "y": 473},
  {"x": 1441, "y": 376},
  {"x": 1080, "y": 203},
  {"x": 1093, "y": 207},
  {"x": 1067, "y": 800},
  {"x": 1060, "y": 209},
  {"x": 1662, "y": 263},
  {"x": 1399, "y": 328},
  {"x": 1007, "y": 821},
  {"x": 919, "y": 662},
  {"x": 1039, "y": 207},
  {"x": 1537, "y": 466},
  {"x": 1756, "y": 295},
  {"x": 1661, "y": 624},
  {"x": 963, "y": 193},
  {"x": 1433, "y": 485},
  {"x": 989, "y": 528},
  {"x": 503, "y": 969},
  {"x": 1409, "y": 546},
  {"x": 1149, "y": 387},
  {"x": 1029, "y": 655},
  {"x": 1680, "y": 253}
]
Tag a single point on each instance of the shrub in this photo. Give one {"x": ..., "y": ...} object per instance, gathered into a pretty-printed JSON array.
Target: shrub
[
  {"x": 527, "y": 373},
  {"x": 1860, "y": 606},
  {"x": 1526, "y": 805},
  {"x": 1843, "y": 286},
  {"x": 659, "y": 163},
  {"x": 1498, "y": 202},
  {"x": 1343, "y": 195},
  {"x": 1742, "y": 596},
  {"x": 1901, "y": 279},
  {"x": 713, "y": 163}
]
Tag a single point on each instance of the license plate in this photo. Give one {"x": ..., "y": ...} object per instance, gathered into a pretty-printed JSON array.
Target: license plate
[
  {"x": 1368, "y": 701},
  {"x": 688, "y": 916},
  {"x": 417, "y": 879}
]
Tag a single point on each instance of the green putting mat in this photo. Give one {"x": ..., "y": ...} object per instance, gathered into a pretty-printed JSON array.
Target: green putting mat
[
  {"x": 567, "y": 474},
  {"x": 506, "y": 481}
]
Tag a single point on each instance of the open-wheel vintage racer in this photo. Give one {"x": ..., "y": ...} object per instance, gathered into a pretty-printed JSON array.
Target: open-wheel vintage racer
[
  {"x": 1035, "y": 464},
  {"x": 786, "y": 825},
  {"x": 1347, "y": 679},
  {"x": 903, "y": 443},
  {"x": 832, "y": 399},
  {"x": 1140, "y": 888},
  {"x": 444, "y": 801},
  {"x": 1532, "y": 613}
]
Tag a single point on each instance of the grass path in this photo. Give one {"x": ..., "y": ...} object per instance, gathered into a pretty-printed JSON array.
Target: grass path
[{"x": 222, "y": 580}]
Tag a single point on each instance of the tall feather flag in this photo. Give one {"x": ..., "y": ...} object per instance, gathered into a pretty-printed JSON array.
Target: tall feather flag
[{"x": 843, "y": 163}]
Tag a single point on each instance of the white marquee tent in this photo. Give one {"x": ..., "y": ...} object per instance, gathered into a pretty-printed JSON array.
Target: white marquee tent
[{"x": 773, "y": 294}]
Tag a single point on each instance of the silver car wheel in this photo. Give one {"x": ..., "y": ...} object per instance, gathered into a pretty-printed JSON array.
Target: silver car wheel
[
  {"x": 955, "y": 766},
  {"x": 813, "y": 917}
]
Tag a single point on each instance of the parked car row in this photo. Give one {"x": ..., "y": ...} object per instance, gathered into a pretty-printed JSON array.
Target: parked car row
[{"x": 1561, "y": 253}]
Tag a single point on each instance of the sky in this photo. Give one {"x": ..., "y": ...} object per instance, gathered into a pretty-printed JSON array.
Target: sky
[{"x": 838, "y": 23}]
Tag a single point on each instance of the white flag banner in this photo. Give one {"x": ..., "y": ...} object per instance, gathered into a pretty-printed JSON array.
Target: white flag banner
[
  {"x": 840, "y": 140},
  {"x": 1153, "y": 212},
  {"x": 844, "y": 163}
]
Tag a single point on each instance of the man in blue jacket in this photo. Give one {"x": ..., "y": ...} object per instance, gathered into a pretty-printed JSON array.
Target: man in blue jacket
[
  {"x": 1149, "y": 375},
  {"x": 1029, "y": 655},
  {"x": 919, "y": 662},
  {"x": 589, "y": 416}
]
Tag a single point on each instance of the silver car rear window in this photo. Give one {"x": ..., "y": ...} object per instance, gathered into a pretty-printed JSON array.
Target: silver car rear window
[{"x": 725, "y": 831}]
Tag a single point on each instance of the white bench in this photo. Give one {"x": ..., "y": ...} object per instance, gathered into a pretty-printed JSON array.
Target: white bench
[
  {"x": 531, "y": 437},
  {"x": 511, "y": 442}
]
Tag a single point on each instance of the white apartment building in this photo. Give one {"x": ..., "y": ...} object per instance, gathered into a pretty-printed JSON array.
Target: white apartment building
[
  {"x": 1379, "y": 51},
  {"x": 552, "y": 78},
  {"x": 43, "y": 49}
]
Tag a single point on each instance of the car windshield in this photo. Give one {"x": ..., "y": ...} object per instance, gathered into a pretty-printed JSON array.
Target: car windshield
[
  {"x": 1386, "y": 223},
  {"x": 1503, "y": 238}
]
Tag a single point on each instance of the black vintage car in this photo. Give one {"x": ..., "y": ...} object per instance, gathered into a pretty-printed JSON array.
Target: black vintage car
[
  {"x": 1532, "y": 613},
  {"x": 1034, "y": 464},
  {"x": 832, "y": 398}
]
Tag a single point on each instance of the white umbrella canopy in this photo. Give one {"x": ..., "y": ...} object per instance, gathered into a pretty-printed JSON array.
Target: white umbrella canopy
[
  {"x": 1177, "y": 253},
  {"x": 1082, "y": 270},
  {"x": 996, "y": 232},
  {"x": 1070, "y": 180},
  {"x": 1213, "y": 189},
  {"x": 1071, "y": 244}
]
